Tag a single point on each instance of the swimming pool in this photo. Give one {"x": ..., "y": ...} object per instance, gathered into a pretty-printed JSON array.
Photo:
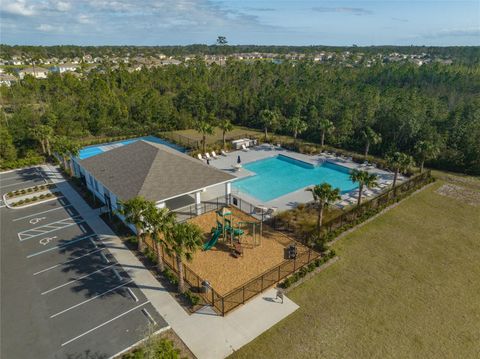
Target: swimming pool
[
  {"x": 277, "y": 176},
  {"x": 94, "y": 150}
]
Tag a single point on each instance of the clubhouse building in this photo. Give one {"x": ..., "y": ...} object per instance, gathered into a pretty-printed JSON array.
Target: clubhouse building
[{"x": 151, "y": 170}]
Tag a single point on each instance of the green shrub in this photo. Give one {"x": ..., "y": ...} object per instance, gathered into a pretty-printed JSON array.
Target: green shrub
[
  {"x": 154, "y": 348},
  {"x": 193, "y": 299},
  {"x": 170, "y": 276}
]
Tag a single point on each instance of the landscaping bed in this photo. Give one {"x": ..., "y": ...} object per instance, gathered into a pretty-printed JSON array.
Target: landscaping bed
[
  {"x": 30, "y": 190},
  {"x": 34, "y": 199}
]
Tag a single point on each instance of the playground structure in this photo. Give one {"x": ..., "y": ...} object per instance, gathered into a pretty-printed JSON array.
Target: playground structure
[
  {"x": 232, "y": 231},
  {"x": 263, "y": 249}
]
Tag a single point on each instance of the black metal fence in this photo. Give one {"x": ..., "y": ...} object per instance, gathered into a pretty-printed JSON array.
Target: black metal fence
[
  {"x": 229, "y": 301},
  {"x": 353, "y": 214},
  {"x": 193, "y": 210}
]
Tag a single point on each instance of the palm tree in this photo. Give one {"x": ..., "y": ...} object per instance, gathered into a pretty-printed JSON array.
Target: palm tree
[
  {"x": 187, "y": 238},
  {"x": 269, "y": 120},
  {"x": 73, "y": 150},
  {"x": 60, "y": 147},
  {"x": 323, "y": 195},
  {"x": 226, "y": 126},
  {"x": 205, "y": 128},
  {"x": 371, "y": 138},
  {"x": 325, "y": 126},
  {"x": 426, "y": 150},
  {"x": 364, "y": 179},
  {"x": 400, "y": 162},
  {"x": 160, "y": 222},
  {"x": 134, "y": 211},
  {"x": 297, "y": 126}
]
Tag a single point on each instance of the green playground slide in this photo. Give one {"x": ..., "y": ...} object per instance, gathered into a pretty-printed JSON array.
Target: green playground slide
[{"x": 213, "y": 240}]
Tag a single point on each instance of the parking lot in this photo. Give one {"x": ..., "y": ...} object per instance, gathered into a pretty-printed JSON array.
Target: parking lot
[{"x": 63, "y": 294}]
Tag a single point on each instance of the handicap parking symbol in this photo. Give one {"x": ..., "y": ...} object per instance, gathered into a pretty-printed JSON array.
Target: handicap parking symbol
[
  {"x": 46, "y": 240},
  {"x": 36, "y": 220}
]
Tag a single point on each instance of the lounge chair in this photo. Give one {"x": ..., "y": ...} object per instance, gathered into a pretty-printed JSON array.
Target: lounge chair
[
  {"x": 214, "y": 155},
  {"x": 224, "y": 153},
  {"x": 199, "y": 156},
  {"x": 244, "y": 148},
  {"x": 207, "y": 156}
]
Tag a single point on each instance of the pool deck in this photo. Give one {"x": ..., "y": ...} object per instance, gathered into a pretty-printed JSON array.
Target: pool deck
[{"x": 292, "y": 199}]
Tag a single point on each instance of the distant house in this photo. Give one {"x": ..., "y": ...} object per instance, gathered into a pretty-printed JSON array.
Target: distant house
[
  {"x": 7, "y": 79},
  {"x": 37, "y": 72},
  {"x": 88, "y": 59},
  {"x": 61, "y": 68},
  {"x": 171, "y": 62}
]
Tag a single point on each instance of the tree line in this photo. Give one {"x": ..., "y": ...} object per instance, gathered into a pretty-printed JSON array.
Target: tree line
[{"x": 431, "y": 111}]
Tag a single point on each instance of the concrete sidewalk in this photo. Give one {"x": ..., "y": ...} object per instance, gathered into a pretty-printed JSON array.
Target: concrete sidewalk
[{"x": 207, "y": 335}]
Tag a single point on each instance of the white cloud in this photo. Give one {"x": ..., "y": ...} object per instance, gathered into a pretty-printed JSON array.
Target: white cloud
[
  {"x": 18, "y": 7},
  {"x": 49, "y": 28},
  {"x": 346, "y": 10},
  {"x": 467, "y": 32},
  {"x": 84, "y": 19},
  {"x": 62, "y": 5}
]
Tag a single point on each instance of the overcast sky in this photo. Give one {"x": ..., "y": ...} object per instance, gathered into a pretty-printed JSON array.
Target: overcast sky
[{"x": 278, "y": 22}]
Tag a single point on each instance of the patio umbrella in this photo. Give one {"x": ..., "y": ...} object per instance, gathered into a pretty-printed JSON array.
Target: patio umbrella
[{"x": 239, "y": 160}]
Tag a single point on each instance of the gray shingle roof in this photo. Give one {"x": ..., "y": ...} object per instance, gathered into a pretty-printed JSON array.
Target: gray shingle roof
[{"x": 151, "y": 170}]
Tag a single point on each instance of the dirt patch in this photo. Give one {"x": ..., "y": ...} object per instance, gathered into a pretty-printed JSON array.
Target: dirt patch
[{"x": 460, "y": 193}]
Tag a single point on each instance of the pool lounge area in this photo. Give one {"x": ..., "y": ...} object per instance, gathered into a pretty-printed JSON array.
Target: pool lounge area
[
  {"x": 279, "y": 175},
  {"x": 273, "y": 177}
]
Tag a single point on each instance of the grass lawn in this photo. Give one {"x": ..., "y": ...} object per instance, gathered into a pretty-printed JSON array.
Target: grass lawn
[
  {"x": 407, "y": 285},
  {"x": 217, "y": 136}
]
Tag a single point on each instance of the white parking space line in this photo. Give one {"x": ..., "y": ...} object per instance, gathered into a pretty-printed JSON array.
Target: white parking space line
[
  {"x": 132, "y": 294},
  {"x": 104, "y": 257},
  {"x": 150, "y": 318},
  {"x": 119, "y": 277},
  {"x": 77, "y": 279},
  {"x": 38, "y": 213},
  {"x": 49, "y": 227},
  {"x": 90, "y": 299},
  {"x": 72, "y": 260},
  {"x": 61, "y": 246},
  {"x": 105, "y": 323}
]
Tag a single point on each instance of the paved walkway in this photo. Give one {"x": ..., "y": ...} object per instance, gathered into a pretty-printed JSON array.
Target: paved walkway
[{"x": 207, "y": 335}]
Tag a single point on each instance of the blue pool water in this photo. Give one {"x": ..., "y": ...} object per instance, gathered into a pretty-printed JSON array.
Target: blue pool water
[
  {"x": 277, "y": 176},
  {"x": 94, "y": 150}
]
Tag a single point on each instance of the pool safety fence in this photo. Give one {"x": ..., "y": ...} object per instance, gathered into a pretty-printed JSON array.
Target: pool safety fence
[
  {"x": 181, "y": 140},
  {"x": 185, "y": 213},
  {"x": 352, "y": 215}
]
